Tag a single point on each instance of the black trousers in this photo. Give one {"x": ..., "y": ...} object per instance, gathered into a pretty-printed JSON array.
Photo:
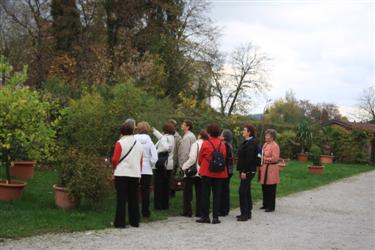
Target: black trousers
[
  {"x": 225, "y": 197},
  {"x": 215, "y": 185},
  {"x": 269, "y": 196},
  {"x": 145, "y": 194},
  {"x": 127, "y": 190},
  {"x": 246, "y": 200},
  {"x": 161, "y": 189},
  {"x": 191, "y": 182}
]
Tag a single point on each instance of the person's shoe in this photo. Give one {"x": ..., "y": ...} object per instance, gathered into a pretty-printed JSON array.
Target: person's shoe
[
  {"x": 269, "y": 210},
  {"x": 198, "y": 215},
  {"x": 240, "y": 216},
  {"x": 204, "y": 220},
  {"x": 216, "y": 221},
  {"x": 134, "y": 225},
  {"x": 263, "y": 207},
  {"x": 243, "y": 218},
  {"x": 186, "y": 215},
  {"x": 117, "y": 226}
]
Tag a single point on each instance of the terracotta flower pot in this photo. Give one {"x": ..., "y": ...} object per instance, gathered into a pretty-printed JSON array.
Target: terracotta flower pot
[
  {"x": 326, "y": 159},
  {"x": 316, "y": 169},
  {"x": 62, "y": 198},
  {"x": 22, "y": 169},
  {"x": 302, "y": 157},
  {"x": 11, "y": 192}
]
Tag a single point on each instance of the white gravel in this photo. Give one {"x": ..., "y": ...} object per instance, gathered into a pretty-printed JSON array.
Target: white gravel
[{"x": 337, "y": 216}]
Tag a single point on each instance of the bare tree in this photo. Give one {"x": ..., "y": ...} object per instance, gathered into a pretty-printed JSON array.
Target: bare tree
[
  {"x": 367, "y": 103},
  {"x": 236, "y": 85},
  {"x": 31, "y": 17}
]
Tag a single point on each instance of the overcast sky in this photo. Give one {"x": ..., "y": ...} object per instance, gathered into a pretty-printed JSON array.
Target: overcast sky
[{"x": 322, "y": 50}]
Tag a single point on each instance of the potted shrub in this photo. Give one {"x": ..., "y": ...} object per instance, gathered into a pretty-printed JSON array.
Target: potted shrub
[
  {"x": 304, "y": 137},
  {"x": 316, "y": 167},
  {"x": 326, "y": 137},
  {"x": 80, "y": 177},
  {"x": 25, "y": 129}
]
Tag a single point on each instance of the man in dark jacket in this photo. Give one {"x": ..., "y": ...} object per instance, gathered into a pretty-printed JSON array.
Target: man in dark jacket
[{"x": 247, "y": 165}]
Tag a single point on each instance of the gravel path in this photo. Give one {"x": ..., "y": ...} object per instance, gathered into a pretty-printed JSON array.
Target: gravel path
[{"x": 337, "y": 216}]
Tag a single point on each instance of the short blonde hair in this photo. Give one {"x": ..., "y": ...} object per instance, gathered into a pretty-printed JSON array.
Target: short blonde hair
[
  {"x": 143, "y": 128},
  {"x": 272, "y": 133}
]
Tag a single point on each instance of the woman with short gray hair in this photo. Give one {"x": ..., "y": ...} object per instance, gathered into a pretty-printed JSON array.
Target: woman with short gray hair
[{"x": 269, "y": 170}]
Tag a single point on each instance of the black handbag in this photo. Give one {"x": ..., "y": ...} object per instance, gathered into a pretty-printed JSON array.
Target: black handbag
[
  {"x": 162, "y": 162},
  {"x": 192, "y": 171}
]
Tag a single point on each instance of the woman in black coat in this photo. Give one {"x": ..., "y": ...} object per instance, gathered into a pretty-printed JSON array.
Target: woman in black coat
[{"x": 248, "y": 161}]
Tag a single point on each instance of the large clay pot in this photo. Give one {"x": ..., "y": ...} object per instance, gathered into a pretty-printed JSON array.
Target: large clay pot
[
  {"x": 11, "y": 192},
  {"x": 22, "y": 169},
  {"x": 302, "y": 157},
  {"x": 63, "y": 199},
  {"x": 326, "y": 159},
  {"x": 316, "y": 169}
]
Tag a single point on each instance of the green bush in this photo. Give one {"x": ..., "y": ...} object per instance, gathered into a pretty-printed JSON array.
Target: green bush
[
  {"x": 314, "y": 155},
  {"x": 347, "y": 146},
  {"x": 92, "y": 122},
  {"x": 288, "y": 145},
  {"x": 83, "y": 175},
  {"x": 86, "y": 124}
]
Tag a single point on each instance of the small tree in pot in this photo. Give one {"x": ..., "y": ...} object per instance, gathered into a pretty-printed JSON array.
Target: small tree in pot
[
  {"x": 326, "y": 143},
  {"x": 25, "y": 128},
  {"x": 80, "y": 177},
  {"x": 304, "y": 137},
  {"x": 316, "y": 167}
]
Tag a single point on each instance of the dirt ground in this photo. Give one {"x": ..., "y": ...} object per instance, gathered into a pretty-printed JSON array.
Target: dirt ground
[{"x": 337, "y": 216}]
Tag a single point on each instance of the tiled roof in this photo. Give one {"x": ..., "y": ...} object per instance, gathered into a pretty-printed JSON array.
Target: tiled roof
[{"x": 369, "y": 127}]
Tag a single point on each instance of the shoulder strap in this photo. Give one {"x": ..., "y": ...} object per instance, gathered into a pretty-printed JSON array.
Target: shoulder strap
[
  {"x": 196, "y": 161},
  {"x": 127, "y": 152},
  {"x": 212, "y": 145}
]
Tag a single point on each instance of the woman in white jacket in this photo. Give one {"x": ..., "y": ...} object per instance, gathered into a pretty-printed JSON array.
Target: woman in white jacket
[
  {"x": 150, "y": 156},
  {"x": 194, "y": 180},
  {"x": 164, "y": 166},
  {"x": 127, "y": 166}
]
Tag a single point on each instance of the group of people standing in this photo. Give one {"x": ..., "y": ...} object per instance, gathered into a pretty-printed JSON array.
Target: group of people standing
[{"x": 206, "y": 162}]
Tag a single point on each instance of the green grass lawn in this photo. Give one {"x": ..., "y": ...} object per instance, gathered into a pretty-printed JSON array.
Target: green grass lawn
[{"x": 36, "y": 213}]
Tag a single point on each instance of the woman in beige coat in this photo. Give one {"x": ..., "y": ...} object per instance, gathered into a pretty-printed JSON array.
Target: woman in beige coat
[{"x": 269, "y": 170}]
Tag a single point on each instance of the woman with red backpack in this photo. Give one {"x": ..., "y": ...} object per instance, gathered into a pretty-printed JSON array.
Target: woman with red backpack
[{"x": 213, "y": 171}]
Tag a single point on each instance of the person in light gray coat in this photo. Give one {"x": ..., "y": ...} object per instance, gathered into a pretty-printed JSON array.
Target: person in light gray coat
[
  {"x": 177, "y": 141},
  {"x": 188, "y": 139}
]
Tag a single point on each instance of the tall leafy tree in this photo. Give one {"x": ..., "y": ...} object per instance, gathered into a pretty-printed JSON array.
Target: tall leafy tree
[{"x": 66, "y": 24}]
